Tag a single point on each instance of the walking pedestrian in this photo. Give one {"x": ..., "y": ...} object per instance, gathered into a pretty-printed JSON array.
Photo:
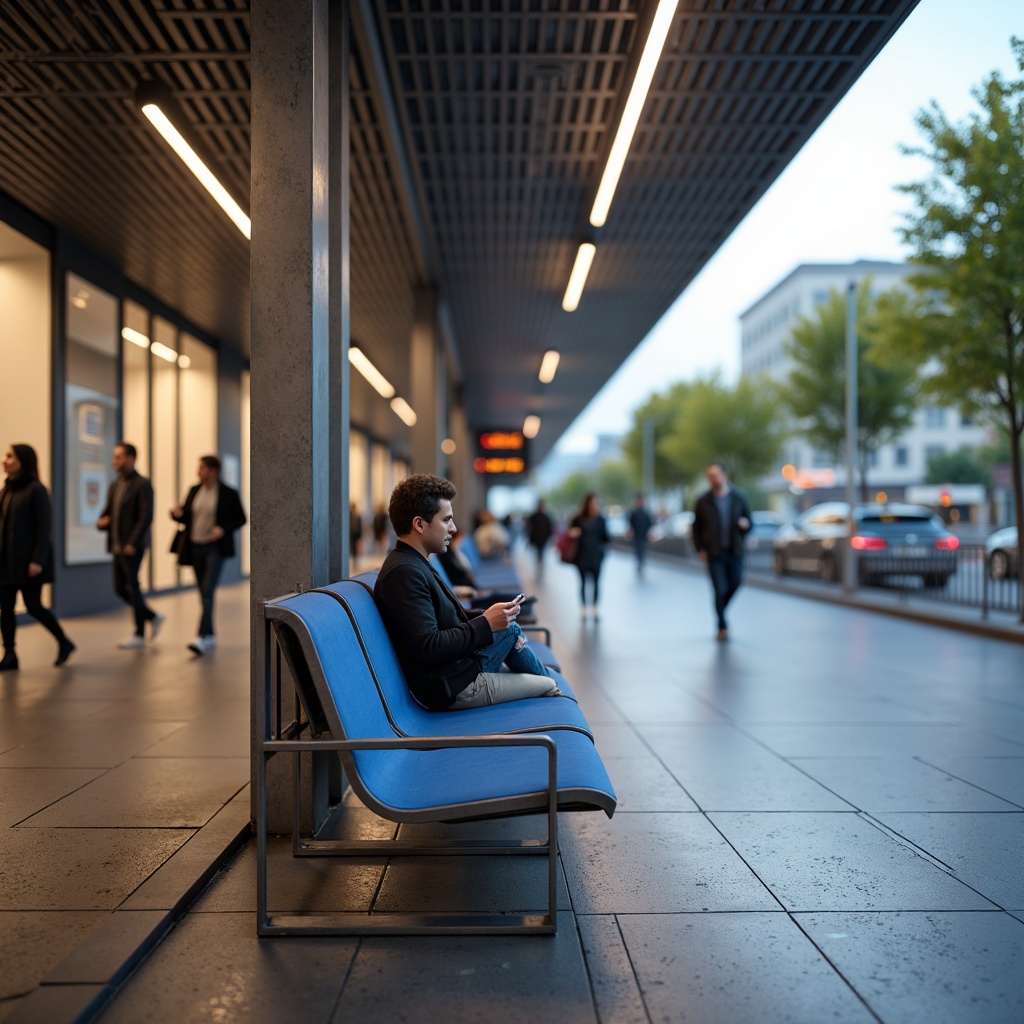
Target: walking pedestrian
[
  {"x": 538, "y": 532},
  {"x": 381, "y": 526},
  {"x": 721, "y": 521},
  {"x": 126, "y": 518},
  {"x": 209, "y": 517},
  {"x": 26, "y": 552},
  {"x": 640, "y": 524},
  {"x": 590, "y": 531}
]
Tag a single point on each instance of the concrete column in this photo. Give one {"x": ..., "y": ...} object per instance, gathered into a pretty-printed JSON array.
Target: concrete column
[
  {"x": 339, "y": 27},
  {"x": 426, "y": 381},
  {"x": 290, "y": 285}
]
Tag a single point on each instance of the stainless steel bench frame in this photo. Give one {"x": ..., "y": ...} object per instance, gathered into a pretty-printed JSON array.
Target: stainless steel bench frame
[{"x": 275, "y": 739}]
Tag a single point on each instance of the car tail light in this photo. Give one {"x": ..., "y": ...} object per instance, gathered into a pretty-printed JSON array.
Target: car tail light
[
  {"x": 947, "y": 543},
  {"x": 859, "y": 543}
]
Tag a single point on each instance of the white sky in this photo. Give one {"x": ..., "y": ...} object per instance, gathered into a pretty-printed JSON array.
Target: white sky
[{"x": 834, "y": 203}]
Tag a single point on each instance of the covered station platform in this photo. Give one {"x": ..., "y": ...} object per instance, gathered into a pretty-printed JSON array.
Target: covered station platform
[{"x": 821, "y": 820}]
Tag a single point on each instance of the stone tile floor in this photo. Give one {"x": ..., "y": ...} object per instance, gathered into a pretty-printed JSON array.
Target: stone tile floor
[{"x": 821, "y": 820}]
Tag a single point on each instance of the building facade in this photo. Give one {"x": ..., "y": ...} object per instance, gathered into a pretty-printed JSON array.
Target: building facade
[{"x": 765, "y": 330}]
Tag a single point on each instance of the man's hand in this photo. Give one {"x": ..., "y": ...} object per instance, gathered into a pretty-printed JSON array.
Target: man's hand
[
  {"x": 703, "y": 557},
  {"x": 34, "y": 568},
  {"x": 501, "y": 616},
  {"x": 743, "y": 523},
  {"x": 128, "y": 549},
  {"x": 103, "y": 523},
  {"x": 216, "y": 533}
]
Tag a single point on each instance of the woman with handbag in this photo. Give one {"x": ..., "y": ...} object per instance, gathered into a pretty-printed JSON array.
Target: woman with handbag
[
  {"x": 590, "y": 531},
  {"x": 26, "y": 552},
  {"x": 209, "y": 516}
]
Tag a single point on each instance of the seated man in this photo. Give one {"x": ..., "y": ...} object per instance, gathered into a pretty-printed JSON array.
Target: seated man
[{"x": 451, "y": 657}]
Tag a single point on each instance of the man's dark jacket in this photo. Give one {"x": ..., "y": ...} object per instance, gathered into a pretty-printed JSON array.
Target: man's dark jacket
[
  {"x": 707, "y": 528},
  {"x": 26, "y": 527},
  {"x": 434, "y": 636},
  {"x": 136, "y": 513},
  {"x": 230, "y": 517}
]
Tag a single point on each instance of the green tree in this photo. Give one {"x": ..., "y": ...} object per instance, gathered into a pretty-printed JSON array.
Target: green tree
[
  {"x": 616, "y": 482},
  {"x": 815, "y": 392},
  {"x": 966, "y": 234},
  {"x": 662, "y": 409},
  {"x": 568, "y": 495},
  {"x": 740, "y": 425},
  {"x": 964, "y": 466}
]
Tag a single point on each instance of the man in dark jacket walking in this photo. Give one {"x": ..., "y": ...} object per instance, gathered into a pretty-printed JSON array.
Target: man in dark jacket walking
[
  {"x": 721, "y": 521},
  {"x": 451, "y": 658},
  {"x": 126, "y": 518}
]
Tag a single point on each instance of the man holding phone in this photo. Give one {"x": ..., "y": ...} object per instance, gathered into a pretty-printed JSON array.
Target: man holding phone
[{"x": 452, "y": 658}]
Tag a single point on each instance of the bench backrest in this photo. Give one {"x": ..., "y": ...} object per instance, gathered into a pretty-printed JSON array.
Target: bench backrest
[
  {"x": 358, "y": 602},
  {"x": 442, "y": 572},
  {"x": 332, "y": 662},
  {"x": 471, "y": 551}
]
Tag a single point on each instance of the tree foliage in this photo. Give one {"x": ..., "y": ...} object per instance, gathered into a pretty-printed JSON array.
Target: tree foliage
[
  {"x": 964, "y": 466},
  {"x": 966, "y": 233},
  {"x": 815, "y": 392},
  {"x": 706, "y": 419}
]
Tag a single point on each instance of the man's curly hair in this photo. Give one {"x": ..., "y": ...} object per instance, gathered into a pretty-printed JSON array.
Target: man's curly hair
[{"x": 418, "y": 495}]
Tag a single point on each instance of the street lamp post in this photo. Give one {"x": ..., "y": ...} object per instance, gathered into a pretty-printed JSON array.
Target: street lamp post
[{"x": 849, "y": 555}]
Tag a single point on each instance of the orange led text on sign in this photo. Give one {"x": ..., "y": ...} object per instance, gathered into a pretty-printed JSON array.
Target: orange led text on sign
[
  {"x": 502, "y": 440},
  {"x": 513, "y": 465}
]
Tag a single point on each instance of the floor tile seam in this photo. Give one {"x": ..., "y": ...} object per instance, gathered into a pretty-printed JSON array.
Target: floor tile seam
[
  {"x": 848, "y": 982},
  {"x": 57, "y": 800},
  {"x": 920, "y": 851},
  {"x": 632, "y": 966},
  {"x": 981, "y": 789}
]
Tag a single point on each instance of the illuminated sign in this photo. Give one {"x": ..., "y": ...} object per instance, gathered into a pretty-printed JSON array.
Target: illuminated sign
[
  {"x": 501, "y": 452},
  {"x": 502, "y": 440}
]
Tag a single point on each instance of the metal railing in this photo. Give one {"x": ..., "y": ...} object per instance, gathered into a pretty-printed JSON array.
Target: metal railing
[{"x": 967, "y": 584}]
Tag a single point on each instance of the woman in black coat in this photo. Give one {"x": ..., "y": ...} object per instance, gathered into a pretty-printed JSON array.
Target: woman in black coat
[
  {"x": 26, "y": 551},
  {"x": 591, "y": 533}
]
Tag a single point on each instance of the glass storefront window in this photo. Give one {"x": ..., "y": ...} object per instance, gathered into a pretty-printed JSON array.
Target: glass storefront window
[
  {"x": 198, "y": 377},
  {"x": 91, "y": 408},
  {"x": 166, "y": 485}
]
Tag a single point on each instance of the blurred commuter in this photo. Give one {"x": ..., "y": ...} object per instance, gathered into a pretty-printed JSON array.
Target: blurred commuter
[
  {"x": 538, "y": 532},
  {"x": 721, "y": 521},
  {"x": 126, "y": 519},
  {"x": 590, "y": 532},
  {"x": 381, "y": 530},
  {"x": 640, "y": 524},
  {"x": 209, "y": 516},
  {"x": 355, "y": 530},
  {"x": 490, "y": 537},
  {"x": 26, "y": 552}
]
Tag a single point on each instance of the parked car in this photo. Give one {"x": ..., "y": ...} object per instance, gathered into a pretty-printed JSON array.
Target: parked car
[
  {"x": 890, "y": 540},
  {"x": 678, "y": 525},
  {"x": 764, "y": 526},
  {"x": 1001, "y": 551}
]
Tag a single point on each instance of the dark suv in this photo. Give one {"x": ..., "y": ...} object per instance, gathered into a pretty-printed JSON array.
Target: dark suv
[{"x": 890, "y": 540}]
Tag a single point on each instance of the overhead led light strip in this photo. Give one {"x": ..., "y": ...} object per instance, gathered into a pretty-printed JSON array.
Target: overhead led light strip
[
  {"x": 578, "y": 277},
  {"x": 531, "y": 426},
  {"x": 380, "y": 383},
  {"x": 548, "y": 366},
  {"x": 634, "y": 107},
  {"x": 404, "y": 411},
  {"x": 207, "y": 178}
]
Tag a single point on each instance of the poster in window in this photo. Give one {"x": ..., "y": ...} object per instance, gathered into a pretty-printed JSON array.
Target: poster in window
[{"x": 90, "y": 423}]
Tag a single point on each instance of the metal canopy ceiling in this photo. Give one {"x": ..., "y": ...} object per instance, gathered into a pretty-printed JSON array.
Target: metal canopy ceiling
[{"x": 502, "y": 113}]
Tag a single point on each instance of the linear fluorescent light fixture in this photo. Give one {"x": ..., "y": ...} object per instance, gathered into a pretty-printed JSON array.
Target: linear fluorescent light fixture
[
  {"x": 135, "y": 337},
  {"x": 404, "y": 411},
  {"x": 380, "y": 383},
  {"x": 634, "y": 107},
  {"x": 159, "y": 107},
  {"x": 164, "y": 352},
  {"x": 578, "y": 277},
  {"x": 548, "y": 366},
  {"x": 531, "y": 426}
]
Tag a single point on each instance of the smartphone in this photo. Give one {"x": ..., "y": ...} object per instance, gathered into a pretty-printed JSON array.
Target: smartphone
[{"x": 519, "y": 598}]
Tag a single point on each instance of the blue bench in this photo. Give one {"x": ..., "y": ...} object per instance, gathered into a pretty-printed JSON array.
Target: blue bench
[{"x": 410, "y": 765}]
